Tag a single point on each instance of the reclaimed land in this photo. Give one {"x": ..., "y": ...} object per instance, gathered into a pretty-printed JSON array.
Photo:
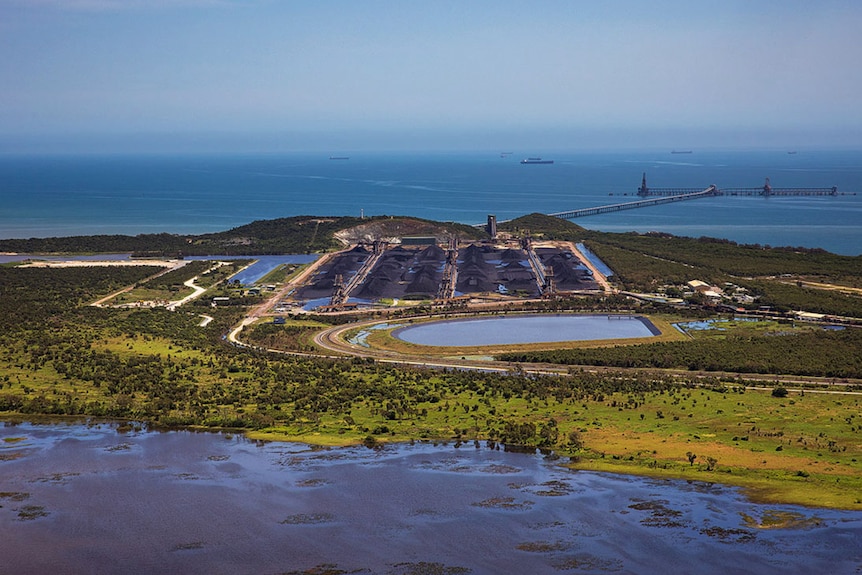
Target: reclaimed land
[{"x": 780, "y": 434}]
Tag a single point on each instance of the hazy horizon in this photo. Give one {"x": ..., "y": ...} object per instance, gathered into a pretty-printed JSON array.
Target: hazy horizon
[{"x": 266, "y": 76}]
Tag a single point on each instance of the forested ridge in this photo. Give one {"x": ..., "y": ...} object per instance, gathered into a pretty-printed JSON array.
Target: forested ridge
[
  {"x": 730, "y": 258},
  {"x": 293, "y": 235},
  {"x": 301, "y": 234}
]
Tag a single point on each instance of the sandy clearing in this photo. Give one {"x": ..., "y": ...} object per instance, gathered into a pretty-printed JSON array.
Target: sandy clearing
[{"x": 107, "y": 263}]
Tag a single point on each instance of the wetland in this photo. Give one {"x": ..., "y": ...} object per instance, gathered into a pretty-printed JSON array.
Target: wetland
[{"x": 180, "y": 501}]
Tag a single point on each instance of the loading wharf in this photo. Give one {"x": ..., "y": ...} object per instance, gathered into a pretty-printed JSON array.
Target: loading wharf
[
  {"x": 657, "y": 196},
  {"x": 764, "y": 190}
]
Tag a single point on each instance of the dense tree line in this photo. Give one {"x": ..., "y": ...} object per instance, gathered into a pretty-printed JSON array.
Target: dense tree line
[
  {"x": 729, "y": 258},
  {"x": 641, "y": 272},
  {"x": 150, "y": 244},
  {"x": 29, "y": 297},
  {"x": 787, "y": 296},
  {"x": 816, "y": 353}
]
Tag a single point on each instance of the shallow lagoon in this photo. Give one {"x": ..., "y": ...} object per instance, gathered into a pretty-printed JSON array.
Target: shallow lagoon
[
  {"x": 95, "y": 499},
  {"x": 532, "y": 328}
]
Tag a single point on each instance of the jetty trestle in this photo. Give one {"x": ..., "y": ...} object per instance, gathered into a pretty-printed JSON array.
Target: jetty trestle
[{"x": 571, "y": 214}]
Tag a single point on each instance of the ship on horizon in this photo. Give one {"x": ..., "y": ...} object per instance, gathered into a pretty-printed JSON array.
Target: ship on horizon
[
  {"x": 536, "y": 161},
  {"x": 681, "y": 152}
]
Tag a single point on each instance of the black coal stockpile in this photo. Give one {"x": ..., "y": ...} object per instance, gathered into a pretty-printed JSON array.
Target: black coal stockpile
[
  {"x": 510, "y": 255},
  {"x": 475, "y": 274},
  {"x": 426, "y": 281},
  {"x": 413, "y": 272},
  {"x": 431, "y": 253},
  {"x": 402, "y": 271},
  {"x": 345, "y": 264},
  {"x": 382, "y": 280},
  {"x": 516, "y": 276},
  {"x": 569, "y": 274}
]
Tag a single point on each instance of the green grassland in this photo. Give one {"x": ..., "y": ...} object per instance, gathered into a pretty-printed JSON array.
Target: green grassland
[{"x": 281, "y": 274}]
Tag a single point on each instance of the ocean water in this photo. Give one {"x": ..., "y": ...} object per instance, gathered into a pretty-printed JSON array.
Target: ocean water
[{"x": 62, "y": 196}]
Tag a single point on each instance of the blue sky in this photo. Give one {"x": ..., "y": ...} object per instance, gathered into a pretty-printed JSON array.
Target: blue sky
[{"x": 274, "y": 75}]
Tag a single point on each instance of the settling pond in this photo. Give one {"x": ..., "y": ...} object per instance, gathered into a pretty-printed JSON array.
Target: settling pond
[
  {"x": 103, "y": 499},
  {"x": 532, "y": 328}
]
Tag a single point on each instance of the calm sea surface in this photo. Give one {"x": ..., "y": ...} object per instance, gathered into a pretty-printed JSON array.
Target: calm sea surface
[
  {"x": 61, "y": 196},
  {"x": 93, "y": 499}
]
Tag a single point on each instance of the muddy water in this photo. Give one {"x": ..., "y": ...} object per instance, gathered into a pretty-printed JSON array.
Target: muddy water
[{"x": 100, "y": 499}]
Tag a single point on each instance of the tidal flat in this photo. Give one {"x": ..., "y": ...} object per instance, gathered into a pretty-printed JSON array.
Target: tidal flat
[{"x": 99, "y": 497}]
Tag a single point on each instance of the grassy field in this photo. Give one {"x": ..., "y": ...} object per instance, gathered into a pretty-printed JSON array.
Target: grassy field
[
  {"x": 803, "y": 449},
  {"x": 144, "y": 294},
  {"x": 282, "y": 274}
]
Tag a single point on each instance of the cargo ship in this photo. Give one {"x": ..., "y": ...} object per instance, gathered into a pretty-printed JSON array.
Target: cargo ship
[{"x": 536, "y": 161}]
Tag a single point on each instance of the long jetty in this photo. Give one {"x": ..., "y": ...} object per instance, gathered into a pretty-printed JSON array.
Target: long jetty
[
  {"x": 657, "y": 196},
  {"x": 571, "y": 214}
]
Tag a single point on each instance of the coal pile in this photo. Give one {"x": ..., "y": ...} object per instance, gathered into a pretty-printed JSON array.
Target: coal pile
[
  {"x": 518, "y": 277},
  {"x": 475, "y": 275},
  {"x": 569, "y": 273},
  {"x": 404, "y": 272},
  {"x": 487, "y": 269},
  {"x": 323, "y": 282}
]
